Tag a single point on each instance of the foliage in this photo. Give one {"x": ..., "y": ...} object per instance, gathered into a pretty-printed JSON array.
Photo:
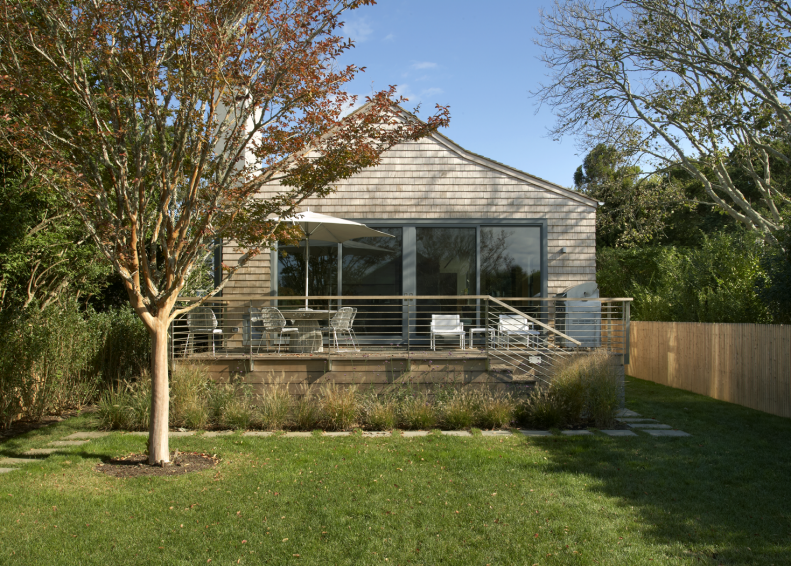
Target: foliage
[
  {"x": 712, "y": 283},
  {"x": 126, "y": 405},
  {"x": 695, "y": 85},
  {"x": 774, "y": 284},
  {"x": 416, "y": 411},
  {"x": 339, "y": 407},
  {"x": 584, "y": 389},
  {"x": 57, "y": 358},
  {"x": 190, "y": 391},
  {"x": 380, "y": 413},
  {"x": 46, "y": 255},
  {"x": 274, "y": 407}
]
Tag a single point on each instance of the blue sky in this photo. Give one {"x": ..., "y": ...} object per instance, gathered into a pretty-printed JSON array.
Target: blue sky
[{"x": 477, "y": 57}]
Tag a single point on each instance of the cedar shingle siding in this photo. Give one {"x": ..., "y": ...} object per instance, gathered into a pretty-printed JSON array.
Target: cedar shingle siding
[{"x": 434, "y": 178}]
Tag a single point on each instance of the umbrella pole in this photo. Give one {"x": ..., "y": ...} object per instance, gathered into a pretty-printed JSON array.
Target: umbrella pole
[{"x": 307, "y": 263}]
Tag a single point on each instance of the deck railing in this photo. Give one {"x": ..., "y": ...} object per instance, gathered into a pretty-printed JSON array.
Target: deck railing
[{"x": 523, "y": 337}]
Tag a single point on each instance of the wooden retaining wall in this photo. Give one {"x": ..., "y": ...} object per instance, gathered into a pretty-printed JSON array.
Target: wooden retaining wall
[
  {"x": 746, "y": 364},
  {"x": 308, "y": 376}
]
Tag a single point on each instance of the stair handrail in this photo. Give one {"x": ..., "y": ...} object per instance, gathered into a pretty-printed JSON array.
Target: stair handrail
[{"x": 534, "y": 321}]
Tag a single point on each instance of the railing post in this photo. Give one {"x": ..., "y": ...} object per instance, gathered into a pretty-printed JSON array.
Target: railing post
[
  {"x": 626, "y": 329},
  {"x": 485, "y": 331}
]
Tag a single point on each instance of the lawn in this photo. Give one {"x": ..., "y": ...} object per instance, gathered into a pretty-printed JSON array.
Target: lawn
[{"x": 722, "y": 496}]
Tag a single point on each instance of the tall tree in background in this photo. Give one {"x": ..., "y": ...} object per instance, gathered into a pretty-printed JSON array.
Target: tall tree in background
[
  {"x": 696, "y": 84},
  {"x": 157, "y": 121}
]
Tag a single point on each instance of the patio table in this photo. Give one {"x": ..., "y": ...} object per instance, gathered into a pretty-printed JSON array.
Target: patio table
[{"x": 309, "y": 338}]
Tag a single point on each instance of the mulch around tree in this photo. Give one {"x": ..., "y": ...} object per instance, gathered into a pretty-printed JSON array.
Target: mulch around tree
[{"x": 135, "y": 465}]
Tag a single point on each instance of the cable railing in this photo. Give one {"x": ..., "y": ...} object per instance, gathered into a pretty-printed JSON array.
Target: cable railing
[{"x": 523, "y": 338}]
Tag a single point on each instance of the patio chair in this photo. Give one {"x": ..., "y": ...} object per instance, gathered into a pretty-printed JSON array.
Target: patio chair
[
  {"x": 201, "y": 320},
  {"x": 274, "y": 323},
  {"x": 341, "y": 322},
  {"x": 351, "y": 324},
  {"x": 513, "y": 326},
  {"x": 446, "y": 325}
]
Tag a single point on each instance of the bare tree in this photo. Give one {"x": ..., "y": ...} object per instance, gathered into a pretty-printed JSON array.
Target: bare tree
[
  {"x": 159, "y": 121},
  {"x": 700, "y": 84}
]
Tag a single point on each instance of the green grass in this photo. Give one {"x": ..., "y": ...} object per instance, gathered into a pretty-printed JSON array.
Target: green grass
[{"x": 720, "y": 497}]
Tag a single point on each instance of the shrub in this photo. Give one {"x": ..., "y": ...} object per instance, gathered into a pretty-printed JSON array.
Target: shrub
[
  {"x": 460, "y": 410},
  {"x": 417, "y": 412},
  {"x": 306, "y": 412},
  {"x": 584, "y": 389},
  {"x": 340, "y": 407},
  {"x": 189, "y": 394},
  {"x": 496, "y": 410},
  {"x": 274, "y": 407},
  {"x": 380, "y": 413},
  {"x": 127, "y": 405}
]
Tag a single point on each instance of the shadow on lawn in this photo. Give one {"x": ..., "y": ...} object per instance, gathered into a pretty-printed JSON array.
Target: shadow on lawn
[{"x": 724, "y": 493}]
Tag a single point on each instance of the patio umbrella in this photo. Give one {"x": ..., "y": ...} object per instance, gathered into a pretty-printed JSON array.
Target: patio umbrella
[{"x": 329, "y": 229}]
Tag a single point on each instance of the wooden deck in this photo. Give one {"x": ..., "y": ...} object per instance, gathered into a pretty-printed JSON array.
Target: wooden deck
[{"x": 375, "y": 371}]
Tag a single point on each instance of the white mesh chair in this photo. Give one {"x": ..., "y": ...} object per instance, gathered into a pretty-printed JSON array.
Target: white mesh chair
[
  {"x": 513, "y": 327},
  {"x": 274, "y": 323},
  {"x": 446, "y": 325},
  {"x": 341, "y": 322},
  {"x": 201, "y": 320}
]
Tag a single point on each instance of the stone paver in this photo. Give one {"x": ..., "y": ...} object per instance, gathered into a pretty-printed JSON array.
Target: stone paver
[
  {"x": 258, "y": 433},
  {"x": 414, "y": 433},
  {"x": 338, "y": 433},
  {"x": 635, "y": 420},
  {"x": 495, "y": 433},
  {"x": 34, "y": 451},
  {"x": 375, "y": 433},
  {"x": 86, "y": 435},
  {"x": 576, "y": 432},
  {"x": 626, "y": 413},
  {"x": 178, "y": 433},
  {"x": 648, "y": 425},
  {"x": 456, "y": 433},
  {"x": 298, "y": 434},
  {"x": 667, "y": 433},
  {"x": 19, "y": 461},
  {"x": 6, "y": 470},
  {"x": 138, "y": 433},
  {"x": 213, "y": 433},
  {"x": 536, "y": 432},
  {"x": 67, "y": 442},
  {"x": 618, "y": 432}
]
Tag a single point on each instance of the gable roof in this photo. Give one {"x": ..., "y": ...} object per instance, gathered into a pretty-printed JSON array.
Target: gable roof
[{"x": 496, "y": 165}]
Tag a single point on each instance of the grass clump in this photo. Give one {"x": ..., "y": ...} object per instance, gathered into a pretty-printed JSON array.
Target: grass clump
[
  {"x": 126, "y": 405},
  {"x": 339, "y": 406},
  {"x": 380, "y": 412},
  {"x": 417, "y": 412},
  {"x": 189, "y": 392},
  {"x": 461, "y": 409},
  {"x": 583, "y": 390},
  {"x": 274, "y": 407}
]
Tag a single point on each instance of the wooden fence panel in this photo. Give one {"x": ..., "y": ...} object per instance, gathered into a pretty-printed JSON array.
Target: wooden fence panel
[{"x": 747, "y": 364}]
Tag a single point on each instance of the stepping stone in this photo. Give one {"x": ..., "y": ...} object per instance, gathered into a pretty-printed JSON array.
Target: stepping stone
[
  {"x": 536, "y": 432},
  {"x": 68, "y": 442},
  {"x": 648, "y": 425},
  {"x": 178, "y": 433},
  {"x": 138, "y": 433},
  {"x": 667, "y": 433},
  {"x": 86, "y": 435},
  {"x": 298, "y": 434},
  {"x": 46, "y": 451},
  {"x": 173, "y": 434},
  {"x": 338, "y": 433},
  {"x": 375, "y": 433},
  {"x": 19, "y": 461},
  {"x": 633, "y": 420},
  {"x": 626, "y": 413},
  {"x": 495, "y": 433},
  {"x": 213, "y": 433},
  {"x": 6, "y": 470},
  {"x": 618, "y": 432},
  {"x": 414, "y": 433},
  {"x": 258, "y": 433},
  {"x": 456, "y": 433},
  {"x": 576, "y": 432}
]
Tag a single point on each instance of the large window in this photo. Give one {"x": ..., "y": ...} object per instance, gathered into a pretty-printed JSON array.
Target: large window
[
  {"x": 511, "y": 261},
  {"x": 323, "y": 274},
  {"x": 373, "y": 267}
]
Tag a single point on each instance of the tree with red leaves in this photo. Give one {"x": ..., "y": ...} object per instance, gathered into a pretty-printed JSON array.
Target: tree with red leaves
[{"x": 158, "y": 121}]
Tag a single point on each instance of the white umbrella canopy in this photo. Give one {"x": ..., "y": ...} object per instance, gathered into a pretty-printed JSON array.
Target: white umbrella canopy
[{"x": 328, "y": 229}]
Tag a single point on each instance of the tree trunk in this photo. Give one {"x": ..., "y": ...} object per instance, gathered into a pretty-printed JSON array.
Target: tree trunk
[{"x": 158, "y": 450}]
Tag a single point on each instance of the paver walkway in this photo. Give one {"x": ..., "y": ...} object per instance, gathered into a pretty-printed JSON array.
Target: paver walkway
[{"x": 633, "y": 420}]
